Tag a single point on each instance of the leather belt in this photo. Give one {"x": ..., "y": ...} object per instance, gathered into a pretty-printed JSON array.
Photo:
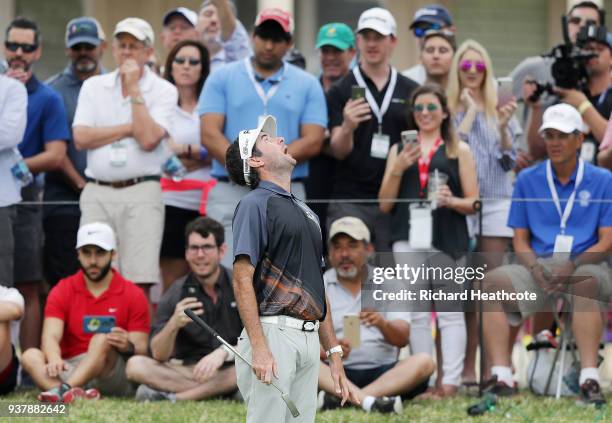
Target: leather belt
[
  {"x": 291, "y": 322},
  {"x": 125, "y": 183}
]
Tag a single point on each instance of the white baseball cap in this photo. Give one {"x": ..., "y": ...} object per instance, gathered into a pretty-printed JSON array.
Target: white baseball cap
[
  {"x": 97, "y": 233},
  {"x": 189, "y": 15},
  {"x": 379, "y": 20},
  {"x": 137, "y": 27},
  {"x": 247, "y": 139},
  {"x": 352, "y": 226},
  {"x": 561, "y": 117}
]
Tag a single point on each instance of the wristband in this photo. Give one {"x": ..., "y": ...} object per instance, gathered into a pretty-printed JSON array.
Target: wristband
[
  {"x": 130, "y": 351},
  {"x": 584, "y": 106},
  {"x": 334, "y": 350},
  {"x": 203, "y": 153}
]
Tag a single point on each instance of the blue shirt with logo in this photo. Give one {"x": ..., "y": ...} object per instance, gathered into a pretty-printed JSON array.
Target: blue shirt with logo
[
  {"x": 46, "y": 118},
  {"x": 542, "y": 219},
  {"x": 299, "y": 100}
]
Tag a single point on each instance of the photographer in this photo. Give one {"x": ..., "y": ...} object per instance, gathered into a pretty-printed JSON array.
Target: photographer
[
  {"x": 187, "y": 363},
  {"x": 594, "y": 101}
]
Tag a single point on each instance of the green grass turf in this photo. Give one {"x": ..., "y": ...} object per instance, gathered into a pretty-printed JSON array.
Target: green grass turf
[{"x": 522, "y": 408}]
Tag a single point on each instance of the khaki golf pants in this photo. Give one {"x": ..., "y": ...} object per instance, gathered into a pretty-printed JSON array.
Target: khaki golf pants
[{"x": 297, "y": 357}]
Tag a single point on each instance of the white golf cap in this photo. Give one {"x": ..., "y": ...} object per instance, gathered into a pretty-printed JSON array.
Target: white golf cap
[
  {"x": 351, "y": 226},
  {"x": 137, "y": 27},
  {"x": 97, "y": 233},
  {"x": 247, "y": 138},
  {"x": 562, "y": 117},
  {"x": 189, "y": 15},
  {"x": 379, "y": 20}
]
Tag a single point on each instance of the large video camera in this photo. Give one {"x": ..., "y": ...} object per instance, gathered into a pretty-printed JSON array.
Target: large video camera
[{"x": 569, "y": 68}]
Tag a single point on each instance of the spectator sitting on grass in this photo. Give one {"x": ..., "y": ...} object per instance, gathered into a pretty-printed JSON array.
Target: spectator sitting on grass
[
  {"x": 11, "y": 308},
  {"x": 188, "y": 363},
  {"x": 373, "y": 368},
  {"x": 75, "y": 363}
]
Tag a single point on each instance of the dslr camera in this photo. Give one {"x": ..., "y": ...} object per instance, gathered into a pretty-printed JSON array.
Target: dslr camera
[{"x": 569, "y": 68}]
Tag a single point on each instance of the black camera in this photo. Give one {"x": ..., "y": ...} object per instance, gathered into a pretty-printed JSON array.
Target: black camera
[{"x": 569, "y": 68}]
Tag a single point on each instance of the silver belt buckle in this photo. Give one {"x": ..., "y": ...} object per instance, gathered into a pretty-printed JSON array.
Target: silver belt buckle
[{"x": 309, "y": 326}]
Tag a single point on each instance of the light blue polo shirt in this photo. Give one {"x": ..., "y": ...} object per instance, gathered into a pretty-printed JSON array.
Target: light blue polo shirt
[
  {"x": 299, "y": 100},
  {"x": 542, "y": 218}
]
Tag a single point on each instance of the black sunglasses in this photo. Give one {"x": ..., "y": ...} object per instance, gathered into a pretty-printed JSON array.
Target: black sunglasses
[
  {"x": 182, "y": 60},
  {"x": 82, "y": 46},
  {"x": 26, "y": 48}
]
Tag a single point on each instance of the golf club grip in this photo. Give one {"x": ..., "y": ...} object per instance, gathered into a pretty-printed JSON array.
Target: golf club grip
[{"x": 200, "y": 322}]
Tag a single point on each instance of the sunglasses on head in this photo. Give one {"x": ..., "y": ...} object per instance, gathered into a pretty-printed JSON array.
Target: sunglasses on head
[
  {"x": 182, "y": 60},
  {"x": 420, "y": 108},
  {"x": 26, "y": 48},
  {"x": 466, "y": 65},
  {"x": 420, "y": 32}
]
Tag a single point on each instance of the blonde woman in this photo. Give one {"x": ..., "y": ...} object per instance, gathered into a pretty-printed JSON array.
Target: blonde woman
[{"x": 487, "y": 127}]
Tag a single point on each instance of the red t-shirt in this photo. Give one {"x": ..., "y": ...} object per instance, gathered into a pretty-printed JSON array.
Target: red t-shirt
[{"x": 70, "y": 301}]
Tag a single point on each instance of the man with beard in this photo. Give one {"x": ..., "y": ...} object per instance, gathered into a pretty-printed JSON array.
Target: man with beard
[
  {"x": 380, "y": 381},
  {"x": 243, "y": 94},
  {"x": 44, "y": 149},
  {"x": 85, "y": 46},
  {"x": 188, "y": 363},
  {"x": 76, "y": 359}
]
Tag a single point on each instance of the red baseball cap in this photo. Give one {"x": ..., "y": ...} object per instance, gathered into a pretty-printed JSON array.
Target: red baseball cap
[{"x": 275, "y": 14}]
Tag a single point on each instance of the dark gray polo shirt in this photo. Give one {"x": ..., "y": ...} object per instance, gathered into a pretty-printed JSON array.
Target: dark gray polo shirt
[
  {"x": 282, "y": 238},
  {"x": 192, "y": 342}
]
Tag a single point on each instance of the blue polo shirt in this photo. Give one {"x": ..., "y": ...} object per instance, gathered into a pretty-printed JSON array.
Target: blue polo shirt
[
  {"x": 299, "y": 100},
  {"x": 46, "y": 118},
  {"x": 542, "y": 219}
]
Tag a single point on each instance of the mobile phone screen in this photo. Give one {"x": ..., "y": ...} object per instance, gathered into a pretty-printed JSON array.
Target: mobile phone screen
[
  {"x": 98, "y": 324},
  {"x": 352, "y": 329},
  {"x": 357, "y": 92}
]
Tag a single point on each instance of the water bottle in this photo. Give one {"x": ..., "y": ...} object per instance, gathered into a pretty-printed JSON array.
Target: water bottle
[
  {"x": 173, "y": 167},
  {"x": 20, "y": 170}
]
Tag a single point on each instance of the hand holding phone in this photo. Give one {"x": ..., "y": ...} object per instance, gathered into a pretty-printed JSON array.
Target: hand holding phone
[
  {"x": 504, "y": 91},
  {"x": 98, "y": 324},
  {"x": 357, "y": 92}
]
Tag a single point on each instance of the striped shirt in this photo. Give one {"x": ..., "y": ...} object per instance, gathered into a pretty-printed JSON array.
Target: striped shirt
[{"x": 492, "y": 163}]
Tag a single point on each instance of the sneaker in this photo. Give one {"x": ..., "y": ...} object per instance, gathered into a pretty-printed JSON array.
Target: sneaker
[
  {"x": 499, "y": 388},
  {"x": 146, "y": 393},
  {"x": 388, "y": 405},
  {"x": 590, "y": 393},
  {"x": 327, "y": 401},
  {"x": 92, "y": 394},
  {"x": 54, "y": 394},
  {"x": 73, "y": 394}
]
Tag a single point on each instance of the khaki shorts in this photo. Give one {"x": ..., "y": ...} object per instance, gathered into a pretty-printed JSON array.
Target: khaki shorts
[
  {"x": 136, "y": 214},
  {"x": 523, "y": 281},
  {"x": 115, "y": 384}
]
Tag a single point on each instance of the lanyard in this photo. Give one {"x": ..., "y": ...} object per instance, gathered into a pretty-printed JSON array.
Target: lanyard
[
  {"x": 379, "y": 112},
  {"x": 565, "y": 214},
  {"x": 424, "y": 165},
  {"x": 265, "y": 97}
]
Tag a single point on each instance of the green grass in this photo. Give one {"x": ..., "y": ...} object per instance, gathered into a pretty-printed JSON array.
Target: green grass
[{"x": 523, "y": 408}]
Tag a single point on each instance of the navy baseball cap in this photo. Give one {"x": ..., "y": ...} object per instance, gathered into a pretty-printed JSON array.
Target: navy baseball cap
[
  {"x": 84, "y": 30},
  {"x": 432, "y": 14}
]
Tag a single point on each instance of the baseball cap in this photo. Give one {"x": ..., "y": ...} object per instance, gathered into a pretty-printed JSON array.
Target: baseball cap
[
  {"x": 277, "y": 15},
  {"x": 247, "y": 138},
  {"x": 562, "y": 117},
  {"x": 84, "y": 30},
  {"x": 188, "y": 14},
  {"x": 432, "y": 14},
  {"x": 379, "y": 20},
  {"x": 352, "y": 226},
  {"x": 571, "y": 4},
  {"x": 97, "y": 233},
  {"x": 137, "y": 27},
  {"x": 336, "y": 34}
]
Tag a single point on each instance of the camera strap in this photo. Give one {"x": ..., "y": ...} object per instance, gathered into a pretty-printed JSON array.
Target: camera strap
[{"x": 379, "y": 112}]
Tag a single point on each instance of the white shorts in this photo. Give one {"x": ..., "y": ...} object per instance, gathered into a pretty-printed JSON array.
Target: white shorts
[{"x": 494, "y": 220}]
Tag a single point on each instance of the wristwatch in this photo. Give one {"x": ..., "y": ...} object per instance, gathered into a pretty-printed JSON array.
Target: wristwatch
[
  {"x": 138, "y": 100},
  {"x": 336, "y": 349}
]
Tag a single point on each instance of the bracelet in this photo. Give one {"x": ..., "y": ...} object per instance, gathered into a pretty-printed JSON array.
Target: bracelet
[
  {"x": 203, "y": 153},
  {"x": 584, "y": 106},
  {"x": 337, "y": 349}
]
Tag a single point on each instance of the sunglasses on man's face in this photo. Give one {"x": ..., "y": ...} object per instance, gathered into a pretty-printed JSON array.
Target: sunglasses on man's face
[
  {"x": 466, "y": 65},
  {"x": 420, "y": 31},
  {"x": 26, "y": 48},
  {"x": 421, "y": 107},
  {"x": 182, "y": 60}
]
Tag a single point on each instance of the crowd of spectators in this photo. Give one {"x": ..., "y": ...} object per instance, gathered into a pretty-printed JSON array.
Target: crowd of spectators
[{"x": 114, "y": 181}]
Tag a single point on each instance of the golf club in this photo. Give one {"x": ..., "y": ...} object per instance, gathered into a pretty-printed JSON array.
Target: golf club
[{"x": 285, "y": 396}]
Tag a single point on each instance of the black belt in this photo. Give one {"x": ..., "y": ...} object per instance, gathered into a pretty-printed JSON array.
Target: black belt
[{"x": 125, "y": 183}]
